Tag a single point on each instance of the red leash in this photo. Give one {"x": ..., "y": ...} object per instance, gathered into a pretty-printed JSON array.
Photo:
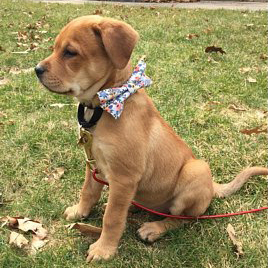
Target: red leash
[{"x": 183, "y": 217}]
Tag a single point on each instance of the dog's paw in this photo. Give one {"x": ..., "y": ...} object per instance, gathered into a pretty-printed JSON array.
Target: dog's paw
[
  {"x": 99, "y": 251},
  {"x": 150, "y": 231},
  {"x": 75, "y": 213}
]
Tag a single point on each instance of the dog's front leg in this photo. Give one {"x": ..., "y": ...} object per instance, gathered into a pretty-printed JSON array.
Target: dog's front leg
[
  {"x": 90, "y": 194},
  {"x": 121, "y": 192}
]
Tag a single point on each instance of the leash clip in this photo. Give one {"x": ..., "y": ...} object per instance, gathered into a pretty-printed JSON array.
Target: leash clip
[{"x": 85, "y": 140}]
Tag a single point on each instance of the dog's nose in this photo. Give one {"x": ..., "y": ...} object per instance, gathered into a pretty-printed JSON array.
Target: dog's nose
[{"x": 39, "y": 70}]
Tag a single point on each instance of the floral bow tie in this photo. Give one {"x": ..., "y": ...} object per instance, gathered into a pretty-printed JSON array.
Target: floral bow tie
[{"x": 112, "y": 99}]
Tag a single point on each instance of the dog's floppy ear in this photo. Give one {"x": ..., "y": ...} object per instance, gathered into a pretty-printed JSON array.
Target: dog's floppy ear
[{"x": 119, "y": 40}]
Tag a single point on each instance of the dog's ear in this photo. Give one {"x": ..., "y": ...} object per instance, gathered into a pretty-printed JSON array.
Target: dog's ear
[{"x": 119, "y": 40}]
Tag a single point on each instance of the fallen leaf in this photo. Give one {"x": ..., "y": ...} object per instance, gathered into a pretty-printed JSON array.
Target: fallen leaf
[
  {"x": 214, "y": 49},
  {"x": 4, "y": 81},
  {"x": 48, "y": 39},
  {"x": 9, "y": 122},
  {"x": 251, "y": 80},
  {"x": 210, "y": 59},
  {"x": 31, "y": 26},
  {"x": 85, "y": 229},
  {"x": 214, "y": 102},
  {"x": 2, "y": 49},
  {"x": 236, "y": 109},
  {"x": 3, "y": 115},
  {"x": 244, "y": 70},
  {"x": 34, "y": 46},
  {"x": 250, "y": 25},
  {"x": 55, "y": 175},
  {"x": 13, "y": 221},
  {"x": 263, "y": 56},
  {"x": 236, "y": 243},
  {"x": 191, "y": 36},
  {"x": 4, "y": 221},
  {"x": 36, "y": 244},
  {"x": 15, "y": 70},
  {"x": 255, "y": 130},
  {"x": 207, "y": 31},
  {"x": 19, "y": 44},
  {"x": 59, "y": 105},
  {"x": 26, "y": 225},
  {"x": 22, "y": 36},
  {"x": 18, "y": 240},
  {"x": 97, "y": 12}
]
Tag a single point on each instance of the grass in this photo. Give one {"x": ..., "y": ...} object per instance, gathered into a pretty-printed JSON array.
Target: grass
[{"x": 193, "y": 91}]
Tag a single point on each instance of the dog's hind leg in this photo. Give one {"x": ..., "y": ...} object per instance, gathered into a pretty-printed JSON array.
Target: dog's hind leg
[
  {"x": 90, "y": 195},
  {"x": 192, "y": 196}
]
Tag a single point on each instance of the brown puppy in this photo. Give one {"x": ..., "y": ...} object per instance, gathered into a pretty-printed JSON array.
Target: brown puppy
[{"x": 138, "y": 154}]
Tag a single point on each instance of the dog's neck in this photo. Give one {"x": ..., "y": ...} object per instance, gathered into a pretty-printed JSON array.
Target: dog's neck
[{"x": 114, "y": 78}]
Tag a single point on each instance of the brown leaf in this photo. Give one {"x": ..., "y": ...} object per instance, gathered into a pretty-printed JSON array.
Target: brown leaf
[
  {"x": 85, "y": 229},
  {"x": 18, "y": 240},
  {"x": 22, "y": 36},
  {"x": 214, "y": 102},
  {"x": 4, "y": 81},
  {"x": 191, "y": 36},
  {"x": 251, "y": 80},
  {"x": 210, "y": 59},
  {"x": 207, "y": 31},
  {"x": 3, "y": 115},
  {"x": 15, "y": 70},
  {"x": 34, "y": 46},
  {"x": 47, "y": 40},
  {"x": 250, "y": 25},
  {"x": 26, "y": 225},
  {"x": 236, "y": 109},
  {"x": 236, "y": 243},
  {"x": 2, "y": 49},
  {"x": 244, "y": 70},
  {"x": 55, "y": 175},
  {"x": 255, "y": 130},
  {"x": 59, "y": 105},
  {"x": 4, "y": 221},
  {"x": 214, "y": 49},
  {"x": 263, "y": 56},
  {"x": 31, "y": 26},
  {"x": 9, "y": 123},
  {"x": 36, "y": 244},
  {"x": 98, "y": 12}
]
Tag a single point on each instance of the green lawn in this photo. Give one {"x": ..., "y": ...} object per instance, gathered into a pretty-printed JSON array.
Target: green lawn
[{"x": 193, "y": 91}]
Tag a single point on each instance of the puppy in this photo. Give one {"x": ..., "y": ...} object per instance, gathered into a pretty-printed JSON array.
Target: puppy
[{"x": 138, "y": 154}]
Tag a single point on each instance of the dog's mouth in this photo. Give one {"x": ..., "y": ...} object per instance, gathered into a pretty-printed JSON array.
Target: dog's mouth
[{"x": 58, "y": 90}]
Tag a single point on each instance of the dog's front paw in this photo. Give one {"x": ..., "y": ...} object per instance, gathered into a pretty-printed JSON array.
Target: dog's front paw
[
  {"x": 75, "y": 213},
  {"x": 150, "y": 231},
  {"x": 100, "y": 251}
]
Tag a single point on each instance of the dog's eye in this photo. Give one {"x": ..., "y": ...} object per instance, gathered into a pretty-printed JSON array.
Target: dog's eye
[{"x": 69, "y": 53}]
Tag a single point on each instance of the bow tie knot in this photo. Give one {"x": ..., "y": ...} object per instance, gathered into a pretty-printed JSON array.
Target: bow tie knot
[{"x": 112, "y": 99}]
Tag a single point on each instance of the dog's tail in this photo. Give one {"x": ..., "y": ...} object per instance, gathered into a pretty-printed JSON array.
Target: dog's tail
[{"x": 223, "y": 190}]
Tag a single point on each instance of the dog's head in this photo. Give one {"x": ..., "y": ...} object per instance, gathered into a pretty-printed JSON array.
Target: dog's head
[{"x": 86, "y": 52}]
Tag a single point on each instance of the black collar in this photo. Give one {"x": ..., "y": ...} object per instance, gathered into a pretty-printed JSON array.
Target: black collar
[{"x": 94, "y": 119}]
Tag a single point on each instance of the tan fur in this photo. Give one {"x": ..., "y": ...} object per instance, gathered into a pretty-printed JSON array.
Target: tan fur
[{"x": 138, "y": 154}]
